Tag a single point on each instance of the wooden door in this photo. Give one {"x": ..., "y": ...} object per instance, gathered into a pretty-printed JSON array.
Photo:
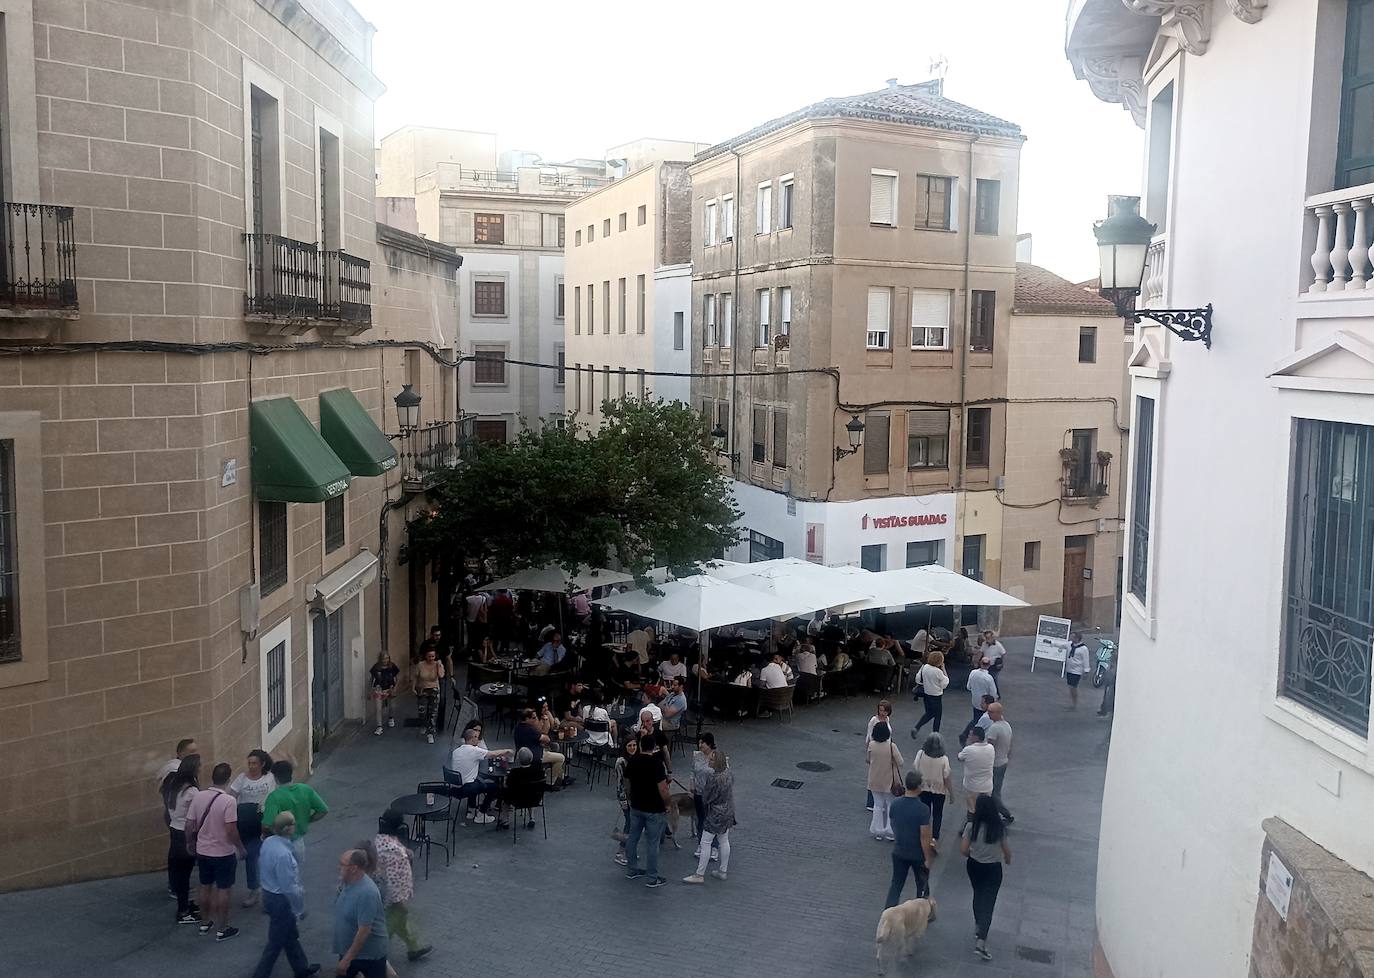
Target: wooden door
[{"x": 1075, "y": 559}]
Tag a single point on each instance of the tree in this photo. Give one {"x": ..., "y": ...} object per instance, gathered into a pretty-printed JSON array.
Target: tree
[{"x": 642, "y": 490}]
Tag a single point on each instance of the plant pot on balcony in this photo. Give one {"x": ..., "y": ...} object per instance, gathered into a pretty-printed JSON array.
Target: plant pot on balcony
[
  {"x": 1068, "y": 454},
  {"x": 781, "y": 341},
  {"x": 1104, "y": 458}
]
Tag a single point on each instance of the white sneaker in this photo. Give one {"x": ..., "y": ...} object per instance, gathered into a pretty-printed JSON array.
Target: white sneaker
[
  {"x": 391, "y": 721},
  {"x": 484, "y": 819},
  {"x": 717, "y": 874},
  {"x": 429, "y": 738},
  {"x": 377, "y": 732}
]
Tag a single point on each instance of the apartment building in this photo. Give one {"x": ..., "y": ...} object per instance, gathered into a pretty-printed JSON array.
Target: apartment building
[
  {"x": 1248, "y": 553},
  {"x": 855, "y": 259},
  {"x": 202, "y": 329},
  {"x": 628, "y": 265},
  {"x": 505, "y": 212}
]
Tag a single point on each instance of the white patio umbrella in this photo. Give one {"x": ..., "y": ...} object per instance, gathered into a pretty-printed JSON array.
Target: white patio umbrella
[
  {"x": 728, "y": 570},
  {"x": 886, "y": 592},
  {"x": 808, "y": 587},
  {"x": 553, "y": 578},
  {"x": 952, "y": 588}
]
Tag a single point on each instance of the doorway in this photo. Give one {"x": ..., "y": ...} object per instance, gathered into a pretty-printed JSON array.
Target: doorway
[
  {"x": 1075, "y": 574},
  {"x": 329, "y": 671}
]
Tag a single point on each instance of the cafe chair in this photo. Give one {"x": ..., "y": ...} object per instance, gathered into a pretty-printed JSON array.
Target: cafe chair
[
  {"x": 526, "y": 798},
  {"x": 454, "y": 781},
  {"x": 599, "y": 756},
  {"x": 422, "y": 837},
  {"x": 777, "y": 701}
]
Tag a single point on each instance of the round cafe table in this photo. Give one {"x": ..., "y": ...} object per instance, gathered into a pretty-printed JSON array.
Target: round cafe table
[{"x": 418, "y": 807}]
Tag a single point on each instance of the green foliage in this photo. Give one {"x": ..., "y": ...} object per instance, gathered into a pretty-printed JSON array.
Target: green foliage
[{"x": 643, "y": 490}]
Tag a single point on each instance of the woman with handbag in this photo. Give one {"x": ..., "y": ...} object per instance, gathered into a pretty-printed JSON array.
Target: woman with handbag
[
  {"x": 884, "y": 780},
  {"x": 931, "y": 681},
  {"x": 251, "y": 788},
  {"x": 883, "y": 716},
  {"x": 179, "y": 788}
]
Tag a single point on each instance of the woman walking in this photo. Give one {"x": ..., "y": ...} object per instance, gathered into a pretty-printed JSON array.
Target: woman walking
[
  {"x": 179, "y": 788},
  {"x": 932, "y": 765},
  {"x": 251, "y": 789},
  {"x": 385, "y": 674},
  {"x": 393, "y": 866},
  {"x": 429, "y": 672},
  {"x": 884, "y": 777},
  {"x": 622, "y": 795},
  {"x": 719, "y": 799},
  {"x": 883, "y": 716},
  {"x": 932, "y": 679},
  {"x": 984, "y": 842}
]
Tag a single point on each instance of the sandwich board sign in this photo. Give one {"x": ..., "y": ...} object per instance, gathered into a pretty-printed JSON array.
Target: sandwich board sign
[{"x": 1052, "y": 641}]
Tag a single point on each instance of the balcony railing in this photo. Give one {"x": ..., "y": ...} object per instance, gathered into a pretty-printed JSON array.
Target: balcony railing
[
  {"x": 427, "y": 453},
  {"x": 1154, "y": 287},
  {"x": 1342, "y": 234},
  {"x": 39, "y": 265},
  {"x": 291, "y": 280},
  {"x": 1085, "y": 480}
]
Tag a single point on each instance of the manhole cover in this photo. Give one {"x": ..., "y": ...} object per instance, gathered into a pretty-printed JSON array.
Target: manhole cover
[
  {"x": 784, "y": 783},
  {"x": 1036, "y": 954},
  {"x": 816, "y": 766}
]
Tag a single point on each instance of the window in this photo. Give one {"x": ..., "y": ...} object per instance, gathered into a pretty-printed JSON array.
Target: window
[
  {"x": 606, "y": 228},
  {"x": 760, "y": 434},
  {"x": 606, "y": 307},
  {"x": 979, "y": 436},
  {"x": 641, "y": 386},
  {"x": 984, "y": 316},
  {"x": 273, "y": 544},
  {"x": 932, "y": 202},
  {"x": 882, "y": 198},
  {"x": 276, "y": 685},
  {"x": 1142, "y": 437},
  {"x": 10, "y": 649},
  {"x": 620, "y": 295},
  {"x": 265, "y": 163},
  {"x": 577, "y": 387},
  {"x": 725, "y": 423},
  {"x": 558, "y": 299},
  {"x": 879, "y": 318},
  {"x": 927, "y": 439},
  {"x": 642, "y": 215},
  {"x": 591, "y": 389},
  {"x": 489, "y": 431},
  {"x": 785, "y": 197},
  {"x": 709, "y": 337},
  {"x": 489, "y": 297},
  {"x": 489, "y": 229},
  {"x": 591, "y": 233},
  {"x": 873, "y": 557},
  {"x": 727, "y": 320},
  {"x": 1083, "y": 442},
  {"x": 639, "y": 303},
  {"x": 973, "y": 556},
  {"x": 331, "y": 163},
  {"x": 877, "y": 430},
  {"x": 1157, "y": 154},
  {"x": 577, "y": 310},
  {"x": 1087, "y": 344},
  {"x": 591, "y": 309},
  {"x": 763, "y": 547},
  {"x": 679, "y": 331},
  {"x": 930, "y": 318},
  {"x": 622, "y": 383},
  {"x": 1329, "y": 598},
  {"x": 624, "y": 221},
  {"x": 785, "y": 311},
  {"x": 919, "y": 553},
  {"x": 763, "y": 301},
  {"x": 558, "y": 375},
  {"x": 577, "y": 238},
  {"x": 763, "y": 217},
  {"x": 489, "y": 365},
  {"x": 551, "y": 230},
  {"x": 333, "y": 524},
  {"x": 709, "y": 232},
  {"x": 727, "y": 217},
  {"x": 780, "y": 439},
  {"x": 987, "y": 207},
  {"x": 1031, "y": 561}
]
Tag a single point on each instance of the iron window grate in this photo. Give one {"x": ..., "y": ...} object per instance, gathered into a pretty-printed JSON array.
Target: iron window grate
[
  {"x": 333, "y": 524},
  {"x": 272, "y": 545},
  {"x": 10, "y": 650},
  {"x": 276, "y": 685}
]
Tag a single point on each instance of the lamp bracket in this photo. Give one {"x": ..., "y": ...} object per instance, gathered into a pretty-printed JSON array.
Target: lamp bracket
[
  {"x": 1186, "y": 324},
  {"x": 842, "y": 452}
]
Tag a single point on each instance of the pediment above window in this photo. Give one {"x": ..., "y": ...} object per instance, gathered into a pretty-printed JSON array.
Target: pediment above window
[
  {"x": 1341, "y": 361},
  {"x": 1148, "y": 359}
]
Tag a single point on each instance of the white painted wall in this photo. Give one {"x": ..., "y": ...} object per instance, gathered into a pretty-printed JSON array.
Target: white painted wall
[{"x": 672, "y": 293}]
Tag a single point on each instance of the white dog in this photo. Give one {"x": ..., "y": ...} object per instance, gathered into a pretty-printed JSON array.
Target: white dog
[{"x": 899, "y": 928}]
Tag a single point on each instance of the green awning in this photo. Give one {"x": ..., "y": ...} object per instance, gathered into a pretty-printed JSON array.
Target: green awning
[
  {"x": 353, "y": 435},
  {"x": 292, "y": 463}
]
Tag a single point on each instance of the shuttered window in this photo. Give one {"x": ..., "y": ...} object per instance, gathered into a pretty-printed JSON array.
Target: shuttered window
[
  {"x": 988, "y": 206},
  {"x": 879, "y": 318},
  {"x": 489, "y": 228},
  {"x": 760, "y": 434},
  {"x": 764, "y": 217},
  {"x": 709, "y": 231},
  {"x": 927, "y": 439},
  {"x": 727, "y": 320},
  {"x": 877, "y": 431},
  {"x": 708, "y": 313},
  {"x": 765, "y": 326},
  {"x": 577, "y": 310},
  {"x": 620, "y": 312},
  {"x": 932, "y": 202},
  {"x": 639, "y": 303},
  {"x": 930, "y": 318},
  {"x": 780, "y": 439},
  {"x": 785, "y": 310},
  {"x": 882, "y": 198},
  {"x": 727, "y": 217},
  {"x": 984, "y": 316}
]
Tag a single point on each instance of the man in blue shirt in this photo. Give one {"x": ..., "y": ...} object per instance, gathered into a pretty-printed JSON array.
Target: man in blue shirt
[
  {"x": 360, "y": 937},
  {"x": 675, "y": 704},
  {"x": 551, "y": 654},
  {"x": 283, "y": 899},
  {"x": 913, "y": 852}
]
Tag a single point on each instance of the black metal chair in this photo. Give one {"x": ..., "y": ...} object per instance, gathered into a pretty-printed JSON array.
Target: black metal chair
[
  {"x": 422, "y": 836},
  {"x": 525, "y": 797}
]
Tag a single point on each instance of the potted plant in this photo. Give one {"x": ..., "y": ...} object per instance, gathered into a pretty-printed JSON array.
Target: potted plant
[
  {"x": 1104, "y": 458},
  {"x": 1068, "y": 454}
]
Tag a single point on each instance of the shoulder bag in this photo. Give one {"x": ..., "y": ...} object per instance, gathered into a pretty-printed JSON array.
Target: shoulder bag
[
  {"x": 898, "y": 788},
  {"x": 192, "y": 833}
]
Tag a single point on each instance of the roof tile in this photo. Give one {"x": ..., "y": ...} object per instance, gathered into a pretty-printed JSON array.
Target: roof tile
[{"x": 1040, "y": 290}]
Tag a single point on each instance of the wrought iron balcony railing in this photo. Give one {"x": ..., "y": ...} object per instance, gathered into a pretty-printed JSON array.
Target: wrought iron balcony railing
[
  {"x": 1085, "y": 479},
  {"x": 426, "y": 453},
  {"x": 294, "y": 280},
  {"x": 39, "y": 262},
  {"x": 347, "y": 287}
]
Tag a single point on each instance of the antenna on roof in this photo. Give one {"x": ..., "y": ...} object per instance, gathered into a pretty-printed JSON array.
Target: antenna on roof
[{"x": 939, "y": 67}]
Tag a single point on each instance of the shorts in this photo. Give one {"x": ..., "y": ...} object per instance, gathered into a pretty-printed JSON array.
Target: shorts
[
  {"x": 218, "y": 871},
  {"x": 1073, "y": 678}
]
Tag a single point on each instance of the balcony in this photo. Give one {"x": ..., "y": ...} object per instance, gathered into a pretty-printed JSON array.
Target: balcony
[
  {"x": 781, "y": 351},
  {"x": 1155, "y": 287},
  {"x": 1085, "y": 480},
  {"x": 427, "y": 453},
  {"x": 37, "y": 270},
  {"x": 293, "y": 287},
  {"x": 1340, "y": 230}
]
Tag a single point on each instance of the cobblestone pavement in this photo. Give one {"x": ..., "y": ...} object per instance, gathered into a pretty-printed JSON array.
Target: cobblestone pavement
[{"x": 806, "y": 884}]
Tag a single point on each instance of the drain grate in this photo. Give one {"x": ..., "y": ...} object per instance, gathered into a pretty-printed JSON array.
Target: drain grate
[
  {"x": 815, "y": 766},
  {"x": 1037, "y": 954},
  {"x": 784, "y": 783}
]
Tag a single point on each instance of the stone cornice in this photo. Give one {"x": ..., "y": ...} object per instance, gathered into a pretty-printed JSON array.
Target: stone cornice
[{"x": 1249, "y": 11}]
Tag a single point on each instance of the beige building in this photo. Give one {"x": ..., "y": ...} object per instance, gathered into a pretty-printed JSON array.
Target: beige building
[
  {"x": 627, "y": 265},
  {"x": 205, "y": 329},
  {"x": 1062, "y": 507}
]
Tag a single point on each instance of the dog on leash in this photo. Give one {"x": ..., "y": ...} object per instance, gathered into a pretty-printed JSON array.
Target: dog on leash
[
  {"x": 679, "y": 804},
  {"x": 899, "y": 928}
]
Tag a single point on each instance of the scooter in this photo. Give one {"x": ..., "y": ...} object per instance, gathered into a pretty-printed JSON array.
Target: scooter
[{"x": 1106, "y": 651}]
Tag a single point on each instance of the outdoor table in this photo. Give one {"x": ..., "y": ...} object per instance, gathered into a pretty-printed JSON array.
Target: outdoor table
[{"x": 418, "y": 807}]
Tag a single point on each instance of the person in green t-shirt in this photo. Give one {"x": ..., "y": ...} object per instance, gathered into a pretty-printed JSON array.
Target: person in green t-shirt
[{"x": 300, "y": 800}]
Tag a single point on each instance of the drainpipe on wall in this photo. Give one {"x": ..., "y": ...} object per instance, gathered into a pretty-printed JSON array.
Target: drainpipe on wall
[
  {"x": 968, "y": 321},
  {"x": 734, "y": 317}
]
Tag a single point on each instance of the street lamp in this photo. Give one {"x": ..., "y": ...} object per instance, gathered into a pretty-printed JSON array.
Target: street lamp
[
  {"x": 408, "y": 409},
  {"x": 718, "y": 436},
  {"x": 1123, "y": 245},
  {"x": 855, "y": 429}
]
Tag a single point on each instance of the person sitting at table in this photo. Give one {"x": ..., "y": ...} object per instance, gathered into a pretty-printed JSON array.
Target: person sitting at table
[
  {"x": 626, "y": 671},
  {"x": 773, "y": 676},
  {"x": 641, "y": 640},
  {"x": 744, "y": 676},
  {"x": 594, "y": 711},
  {"x": 551, "y": 655},
  {"x": 527, "y": 771},
  {"x": 675, "y": 704},
  {"x": 570, "y": 699},
  {"x": 475, "y": 724},
  {"x": 654, "y": 690},
  {"x": 672, "y": 669},
  {"x": 544, "y": 716},
  {"x": 486, "y": 652},
  {"x": 467, "y": 760},
  {"x": 530, "y": 735},
  {"x": 805, "y": 658}
]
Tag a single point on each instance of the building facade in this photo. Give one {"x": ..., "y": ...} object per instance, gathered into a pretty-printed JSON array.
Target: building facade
[
  {"x": 204, "y": 328},
  {"x": 628, "y": 273},
  {"x": 1256, "y": 802}
]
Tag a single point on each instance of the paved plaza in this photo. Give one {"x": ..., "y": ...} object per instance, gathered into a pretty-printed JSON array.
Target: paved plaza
[{"x": 806, "y": 885}]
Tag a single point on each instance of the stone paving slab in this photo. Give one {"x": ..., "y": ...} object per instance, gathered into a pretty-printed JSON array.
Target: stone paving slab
[{"x": 806, "y": 883}]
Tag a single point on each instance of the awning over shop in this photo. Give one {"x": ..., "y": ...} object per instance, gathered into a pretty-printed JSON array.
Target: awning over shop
[
  {"x": 354, "y": 436},
  {"x": 336, "y": 589},
  {"x": 292, "y": 463}
]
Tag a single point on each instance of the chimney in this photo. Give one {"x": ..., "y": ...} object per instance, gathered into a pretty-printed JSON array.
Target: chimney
[{"x": 892, "y": 83}]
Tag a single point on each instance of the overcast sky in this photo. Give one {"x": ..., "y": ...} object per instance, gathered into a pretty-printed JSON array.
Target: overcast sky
[{"x": 571, "y": 80}]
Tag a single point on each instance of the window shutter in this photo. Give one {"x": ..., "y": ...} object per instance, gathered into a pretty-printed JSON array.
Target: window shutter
[
  {"x": 927, "y": 424},
  {"x": 785, "y": 305},
  {"x": 930, "y": 307},
  {"x": 780, "y": 438},
  {"x": 879, "y": 309},
  {"x": 877, "y": 428},
  {"x": 880, "y": 198}
]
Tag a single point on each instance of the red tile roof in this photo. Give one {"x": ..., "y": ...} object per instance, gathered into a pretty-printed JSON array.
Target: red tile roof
[{"x": 1040, "y": 290}]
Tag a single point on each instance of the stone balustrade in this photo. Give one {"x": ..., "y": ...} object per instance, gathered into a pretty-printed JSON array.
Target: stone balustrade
[{"x": 1343, "y": 242}]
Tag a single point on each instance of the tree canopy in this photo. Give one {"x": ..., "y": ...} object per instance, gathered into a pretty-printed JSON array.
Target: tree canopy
[{"x": 643, "y": 490}]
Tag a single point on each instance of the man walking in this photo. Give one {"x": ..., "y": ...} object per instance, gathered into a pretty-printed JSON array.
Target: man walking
[
  {"x": 648, "y": 811},
  {"x": 978, "y": 759},
  {"x": 913, "y": 852},
  {"x": 283, "y": 900},
  {"x": 982, "y": 689},
  {"x": 1075, "y": 667},
  {"x": 360, "y": 937},
  {"x": 300, "y": 800},
  {"x": 999, "y": 736},
  {"x": 212, "y": 828},
  {"x": 994, "y": 651}
]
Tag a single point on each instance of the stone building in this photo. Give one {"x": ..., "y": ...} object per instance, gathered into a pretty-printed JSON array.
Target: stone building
[{"x": 204, "y": 331}]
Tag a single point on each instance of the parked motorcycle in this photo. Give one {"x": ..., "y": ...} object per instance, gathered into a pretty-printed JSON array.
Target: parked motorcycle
[{"x": 1106, "y": 652}]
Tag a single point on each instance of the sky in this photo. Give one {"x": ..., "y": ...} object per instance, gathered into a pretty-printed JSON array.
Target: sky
[{"x": 570, "y": 80}]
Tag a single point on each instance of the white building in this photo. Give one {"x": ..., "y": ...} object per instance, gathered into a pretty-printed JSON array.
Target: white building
[{"x": 1236, "y": 836}]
